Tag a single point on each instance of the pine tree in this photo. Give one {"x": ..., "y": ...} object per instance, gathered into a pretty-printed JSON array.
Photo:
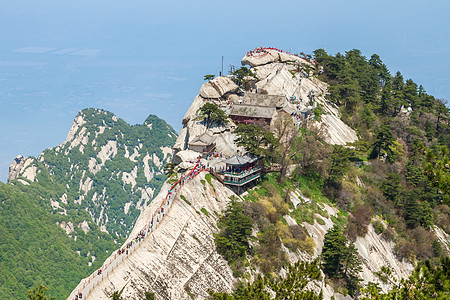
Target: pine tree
[
  {"x": 339, "y": 165},
  {"x": 213, "y": 114},
  {"x": 235, "y": 228},
  {"x": 38, "y": 293},
  {"x": 391, "y": 187},
  {"x": 386, "y": 145},
  {"x": 256, "y": 140},
  {"x": 340, "y": 259},
  {"x": 333, "y": 253}
]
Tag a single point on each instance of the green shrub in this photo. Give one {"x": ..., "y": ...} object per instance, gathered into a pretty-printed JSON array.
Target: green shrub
[
  {"x": 320, "y": 221},
  {"x": 378, "y": 226},
  {"x": 208, "y": 178},
  {"x": 306, "y": 192},
  {"x": 205, "y": 211}
]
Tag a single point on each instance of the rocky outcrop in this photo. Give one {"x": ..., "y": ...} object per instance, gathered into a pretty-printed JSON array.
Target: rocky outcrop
[
  {"x": 375, "y": 252},
  {"x": 217, "y": 88},
  {"x": 16, "y": 167},
  {"x": 185, "y": 156},
  {"x": 23, "y": 167},
  {"x": 268, "y": 56},
  {"x": 287, "y": 76},
  {"x": 67, "y": 227},
  {"x": 84, "y": 226},
  {"x": 443, "y": 238}
]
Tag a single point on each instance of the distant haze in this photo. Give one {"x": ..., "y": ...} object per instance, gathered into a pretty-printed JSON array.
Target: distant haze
[{"x": 140, "y": 57}]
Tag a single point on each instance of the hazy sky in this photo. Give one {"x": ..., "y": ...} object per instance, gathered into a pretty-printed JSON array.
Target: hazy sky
[{"x": 136, "y": 58}]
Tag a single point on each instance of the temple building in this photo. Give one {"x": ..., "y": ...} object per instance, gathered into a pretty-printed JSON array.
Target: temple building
[
  {"x": 204, "y": 144},
  {"x": 257, "y": 109},
  {"x": 252, "y": 114},
  {"x": 241, "y": 172},
  {"x": 277, "y": 101}
]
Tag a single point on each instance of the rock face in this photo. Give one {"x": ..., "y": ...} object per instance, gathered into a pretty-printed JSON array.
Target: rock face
[
  {"x": 375, "y": 253},
  {"x": 268, "y": 56},
  {"x": 24, "y": 167},
  {"x": 16, "y": 167},
  {"x": 283, "y": 74}
]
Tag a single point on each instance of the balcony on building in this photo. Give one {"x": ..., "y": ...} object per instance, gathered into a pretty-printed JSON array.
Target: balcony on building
[{"x": 241, "y": 172}]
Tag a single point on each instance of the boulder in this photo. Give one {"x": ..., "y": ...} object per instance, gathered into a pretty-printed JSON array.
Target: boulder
[
  {"x": 84, "y": 226},
  {"x": 185, "y": 155},
  {"x": 185, "y": 165},
  {"x": 218, "y": 88}
]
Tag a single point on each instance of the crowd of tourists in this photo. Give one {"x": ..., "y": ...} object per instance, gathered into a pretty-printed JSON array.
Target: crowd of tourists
[{"x": 261, "y": 51}]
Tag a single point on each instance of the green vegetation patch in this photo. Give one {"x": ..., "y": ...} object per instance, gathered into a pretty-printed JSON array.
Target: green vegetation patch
[
  {"x": 205, "y": 211},
  {"x": 185, "y": 200},
  {"x": 208, "y": 178}
]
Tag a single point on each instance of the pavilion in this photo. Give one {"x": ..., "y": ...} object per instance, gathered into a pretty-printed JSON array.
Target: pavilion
[{"x": 241, "y": 172}]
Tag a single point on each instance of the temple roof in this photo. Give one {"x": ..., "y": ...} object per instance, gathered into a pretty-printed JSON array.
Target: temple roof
[
  {"x": 252, "y": 111},
  {"x": 239, "y": 160},
  {"x": 287, "y": 108},
  {"x": 264, "y": 100},
  {"x": 204, "y": 139}
]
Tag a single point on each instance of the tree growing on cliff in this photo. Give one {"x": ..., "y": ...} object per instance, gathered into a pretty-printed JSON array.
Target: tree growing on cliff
[
  {"x": 235, "y": 229},
  {"x": 437, "y": 169},
  {"x": 256, "y": 140},
  {"x": 292, "y": 286},
  {"x": 213, "y": 114},
  {"x": 209, "y": 77},
  {"x": 339, "y": 162},
  {"x": 241, "y": 75},
  {"x": 169, "y": 169},
  {"x": 386, "y": 145},
  {"x": 286, "y": 134},
  {"x": 340, "y": 259}
]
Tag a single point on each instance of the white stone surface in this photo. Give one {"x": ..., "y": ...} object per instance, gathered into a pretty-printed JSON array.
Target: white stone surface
[
  {"x": 68, "y": 227},
  {"x": 77, "y": 123},
  {"x": 186, "y": 155},
  {"x": 108, "y": 151},
  {"x": 84, "y": 226},
  {"x": 376, "y": 252},
  {"x": 218, "y": 87}
]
